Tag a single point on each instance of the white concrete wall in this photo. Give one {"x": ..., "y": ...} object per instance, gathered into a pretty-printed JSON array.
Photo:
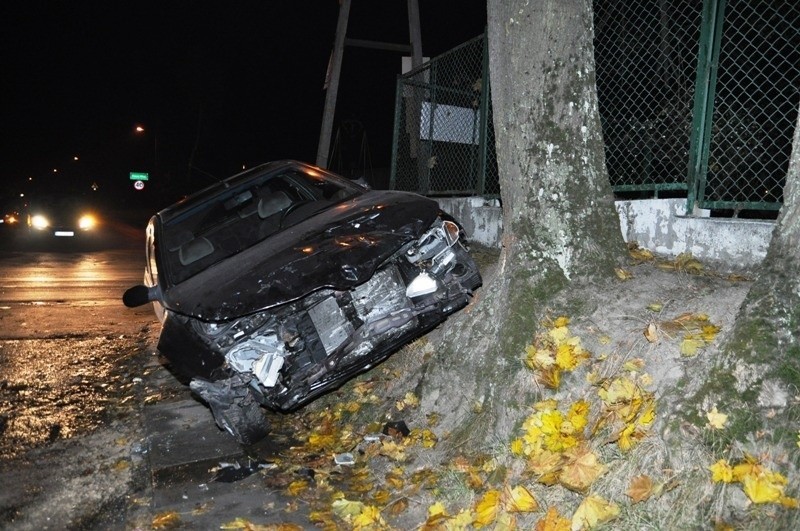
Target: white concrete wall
[
  {"x": 481, "y": 218},
  {"x": 660, "y": 225}
]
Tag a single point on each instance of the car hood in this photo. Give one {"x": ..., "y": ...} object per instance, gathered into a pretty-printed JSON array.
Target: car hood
[{"x": 338, "y": 248}]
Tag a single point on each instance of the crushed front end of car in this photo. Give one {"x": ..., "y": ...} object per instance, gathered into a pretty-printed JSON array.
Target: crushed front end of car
[
  {"x": 295, "y": 314},
  {"x": 288, "y": 355}
]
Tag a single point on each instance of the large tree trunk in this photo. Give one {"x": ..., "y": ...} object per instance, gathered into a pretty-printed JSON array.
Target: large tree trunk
[
  {"x": 761, "y": 361},
  {"x": 559, "y": 220}
]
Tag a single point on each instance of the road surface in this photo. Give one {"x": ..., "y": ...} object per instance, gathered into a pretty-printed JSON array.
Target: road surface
[{"x": 94, "y": 432}]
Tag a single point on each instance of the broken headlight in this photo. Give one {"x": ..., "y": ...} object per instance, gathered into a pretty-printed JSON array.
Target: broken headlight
[{"x": 433, "y": 253}]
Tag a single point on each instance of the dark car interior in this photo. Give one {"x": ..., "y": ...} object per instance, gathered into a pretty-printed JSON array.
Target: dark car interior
[{"x": 242, "y": 217}]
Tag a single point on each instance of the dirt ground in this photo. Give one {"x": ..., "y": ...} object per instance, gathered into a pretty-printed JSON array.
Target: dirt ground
[{"x": 658, "y": 326}]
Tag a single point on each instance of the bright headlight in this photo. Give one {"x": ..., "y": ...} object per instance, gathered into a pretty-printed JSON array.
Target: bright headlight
[
  {"x": 423, "y": 284},
  {"x": 87, "y": 222},
  {"x": 39, "y": 222}
]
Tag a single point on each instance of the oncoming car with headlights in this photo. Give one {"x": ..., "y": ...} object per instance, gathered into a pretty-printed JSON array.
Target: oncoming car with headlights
[
  {"x": 62, "y": 216},
  {"x": 284, "y": 281}
]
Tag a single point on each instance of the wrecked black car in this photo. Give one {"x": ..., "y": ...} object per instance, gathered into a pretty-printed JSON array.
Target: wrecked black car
[{"x": 284, "y": 281}]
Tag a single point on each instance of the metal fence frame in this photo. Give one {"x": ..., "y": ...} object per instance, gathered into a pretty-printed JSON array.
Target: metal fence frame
[
  {"x": 443, "y": 142},
  {"x": 753, "y": 51}
]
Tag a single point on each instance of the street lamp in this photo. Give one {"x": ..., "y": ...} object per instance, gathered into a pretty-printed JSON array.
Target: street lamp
[{"x": 140, "y": 130}]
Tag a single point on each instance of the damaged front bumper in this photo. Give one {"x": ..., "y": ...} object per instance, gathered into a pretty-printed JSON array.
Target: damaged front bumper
[{"x": 288, "y": 355}]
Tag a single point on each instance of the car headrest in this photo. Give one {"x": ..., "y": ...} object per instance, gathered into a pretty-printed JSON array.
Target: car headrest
[
  {"x": 195, "y": 250},
  {"x": 177, "y": 239},
  {"x": 272, "y": 204}
]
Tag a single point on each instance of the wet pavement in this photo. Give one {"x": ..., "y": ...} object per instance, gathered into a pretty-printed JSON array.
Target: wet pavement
[
  {"x": 199, "y": 476},
  {"x": 95, "y": 433}
]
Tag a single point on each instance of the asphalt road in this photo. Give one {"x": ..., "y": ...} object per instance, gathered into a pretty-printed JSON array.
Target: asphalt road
[{"x": 95, "y": 433}]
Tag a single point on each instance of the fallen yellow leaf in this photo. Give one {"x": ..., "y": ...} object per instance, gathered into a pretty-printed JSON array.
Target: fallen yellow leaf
[
  {"x": 651, "y": 333},
  {"x": 553, "y": 521},
  {"x": 623, "y": 274},
  {"x": 352, "y": 406},
  {"x": 690, "y": 346},
  {"x": 381, "y": 497},
  {"x": 505, "y": 522},
  {"x": 559, "y": 333},
  {"x": 460, "y": 522},
  {"x": 395, "y": 480},
  {"x": 486, "y": 508},
  {"x": 425, "y": 437},
  {"x": 716, "y": 419},
  {"x": 648, "y": 414},
  {"x": 550, "y": 377},
  {"x": 437, "y": 516},
  {"x": 560, "y": 321},
  {"x": 166, "y": 520},
  {"x": 296, "y": 487},
  {"x": 323, "y": 519},
  {"x": 633, "y": 365},
  {"x": 392, "y": 450},
  {"x": 368, "y": 517},
  {"x": 545, "y": 464},
  {"x": 643, "y": 255},
  {"x": 409, "y": 401},
  {"x": 640, "y": 489},
  {"x": 346, "y": 509},
  {"x": 593, "y": 510},
  {"x": 760, "y": 489},
  {"x": 566, "y": 357},
  {"x": 519, "y": 500},
  {"x": 686, "y": 262},
  {"x": 398, "y": 506},
  {"x": 581, "y": 468},
  {"x": 578, "y": 414},
  {"x": 627, "y": 437},
  {"x": 619, "y": 390},
  {"x": 517, "y": 447},
  {"x": 789, "y": 503},
  {"x": 437, "y": 509}
]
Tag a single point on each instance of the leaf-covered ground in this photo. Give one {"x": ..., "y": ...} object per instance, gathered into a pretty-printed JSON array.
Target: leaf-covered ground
[{"x": 611, "y": 440}]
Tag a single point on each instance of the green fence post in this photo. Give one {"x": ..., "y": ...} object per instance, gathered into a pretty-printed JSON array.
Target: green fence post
[
  {"x": 705, "y": 89},
  {"x": 398, "y": 100},
  {"x": 484, "y": 110}
]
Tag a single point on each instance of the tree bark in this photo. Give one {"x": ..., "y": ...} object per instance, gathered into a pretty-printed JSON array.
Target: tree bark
[
  {"x": 766, "y": 335},
  {"x": 560, "y": 224}
]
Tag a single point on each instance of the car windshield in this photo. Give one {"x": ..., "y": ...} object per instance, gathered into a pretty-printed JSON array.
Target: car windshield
[{"x": 210, "y": 228}]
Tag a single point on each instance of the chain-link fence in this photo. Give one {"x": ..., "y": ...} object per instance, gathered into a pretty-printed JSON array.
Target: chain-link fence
[
  {"x": 646, "y": 59},
  {"x": 755, "y": 106},
  {"x": 697, "y": 98},
  {"x": 443, "y": 136}
]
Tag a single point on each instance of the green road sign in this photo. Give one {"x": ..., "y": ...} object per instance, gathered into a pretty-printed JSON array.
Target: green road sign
[{"x": 139, "y": 176}]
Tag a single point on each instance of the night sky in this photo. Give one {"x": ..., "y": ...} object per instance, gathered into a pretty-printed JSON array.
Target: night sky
[{"x": 216, "y": 85}]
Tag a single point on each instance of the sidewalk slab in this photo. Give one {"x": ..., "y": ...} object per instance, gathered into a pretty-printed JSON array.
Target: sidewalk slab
[{"x": 183, "y": 432}]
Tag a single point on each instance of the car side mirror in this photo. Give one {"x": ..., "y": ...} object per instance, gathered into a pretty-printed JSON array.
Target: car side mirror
[{"x": 139, "y": 295}]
